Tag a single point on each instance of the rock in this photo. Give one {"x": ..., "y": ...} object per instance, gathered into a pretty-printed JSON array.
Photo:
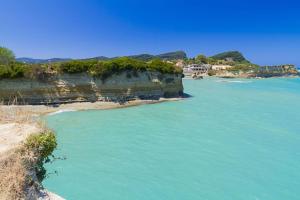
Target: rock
[{"x": 81, "y": 87}]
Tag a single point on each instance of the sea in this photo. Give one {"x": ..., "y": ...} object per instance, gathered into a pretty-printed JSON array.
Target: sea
[{"x": 233, "y": 139}]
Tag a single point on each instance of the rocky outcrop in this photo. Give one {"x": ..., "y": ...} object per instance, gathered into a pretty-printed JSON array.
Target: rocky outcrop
[
  {"x": 278, "y": 70},
  {"x": 82, "y": 87},
  {"x": 261, "y": 72}
]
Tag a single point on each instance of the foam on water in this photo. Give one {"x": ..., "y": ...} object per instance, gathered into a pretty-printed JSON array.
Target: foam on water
[
  {"x": 232, "y": 81},
  {"x": 61, "y": 111}
]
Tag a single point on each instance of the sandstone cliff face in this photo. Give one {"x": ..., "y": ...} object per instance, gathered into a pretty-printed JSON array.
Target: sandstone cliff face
[{"x": 67, "y": 88}]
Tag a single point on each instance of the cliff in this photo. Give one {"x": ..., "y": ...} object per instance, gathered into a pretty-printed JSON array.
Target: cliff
[{"x": 82, "y": 87}]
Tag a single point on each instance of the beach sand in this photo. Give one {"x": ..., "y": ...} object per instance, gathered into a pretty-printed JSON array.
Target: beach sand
[
  {"x": 12, "y": 134},
  {"x": 17, "y": 122}
]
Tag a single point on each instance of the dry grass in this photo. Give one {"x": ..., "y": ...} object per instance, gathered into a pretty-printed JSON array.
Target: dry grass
[
  {"x": 18, "y": 179},
  {"x": 15, "y": 114},
  {"x": 17, "y": 175},
  {"x": 12, "y": 177},
  {"x": 15, "y": 165}
]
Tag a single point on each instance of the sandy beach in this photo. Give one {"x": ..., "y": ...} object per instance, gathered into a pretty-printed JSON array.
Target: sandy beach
[{"x": 17, "y": 122}]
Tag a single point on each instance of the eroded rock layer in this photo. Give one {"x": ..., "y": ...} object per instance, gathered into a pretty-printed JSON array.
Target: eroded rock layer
[{"x": 67, "y": 88}]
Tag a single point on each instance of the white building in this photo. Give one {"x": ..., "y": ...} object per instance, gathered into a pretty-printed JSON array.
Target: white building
[
  {"x": 220, "y": 67},
  {"x": 198, "y": 69}
]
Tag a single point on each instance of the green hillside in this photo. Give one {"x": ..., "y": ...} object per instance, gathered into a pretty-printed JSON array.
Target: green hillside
[{"x": 234, "y": 56}]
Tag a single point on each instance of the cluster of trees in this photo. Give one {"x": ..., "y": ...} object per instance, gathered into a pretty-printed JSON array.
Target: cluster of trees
[
  {"x": 10, "y": 68},
  {"x": 6, "y": 56},
  {"x": 104, "y": 69}
]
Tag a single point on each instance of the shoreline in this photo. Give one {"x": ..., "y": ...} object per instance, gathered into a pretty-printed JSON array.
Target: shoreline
[
  {"x": 242, "y": 77},
  {"x": 17, "y": 122},
  {"x": 15, "y": 113}
]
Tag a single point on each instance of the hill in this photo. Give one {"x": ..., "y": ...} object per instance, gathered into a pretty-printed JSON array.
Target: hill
[
  {"x": 144, "y": 57},
  {"x": 234, "y": 56},
  {"x": 36, "y": 61},
  {"x": 147, "y": 57},
  {"x": 173, "y": 55}
]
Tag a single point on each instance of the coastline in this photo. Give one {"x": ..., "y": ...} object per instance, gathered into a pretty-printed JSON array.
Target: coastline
[
  {"x": 17, "y": 122},
  {"x": 243, "y": 77},
  {"x": 12, "y": 113}
]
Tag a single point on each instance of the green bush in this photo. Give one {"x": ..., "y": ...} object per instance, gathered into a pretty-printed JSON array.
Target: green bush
[
  {"x": 163, "y": 67},
  {"x": 96, "y": 68},
  {"x": 76, "y": 66},
  {"x": 201, "y": 59},
  {"x": 4, "y": 71},
  {"x": 243, "y": 66},
  {"x": 104, "y": 69},
  {"x": 12, "y": 70},
  {"x": 6, "y": 56},
  {"x": 42, "y": 145},
  {"x": 211, "y": 73}
]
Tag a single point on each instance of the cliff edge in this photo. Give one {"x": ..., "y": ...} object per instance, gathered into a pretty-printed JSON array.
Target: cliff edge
[{"x": 82, "y": 87}]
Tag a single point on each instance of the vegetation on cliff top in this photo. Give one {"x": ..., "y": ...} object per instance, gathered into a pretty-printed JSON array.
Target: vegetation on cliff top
[{"x": 10, "y": 68}]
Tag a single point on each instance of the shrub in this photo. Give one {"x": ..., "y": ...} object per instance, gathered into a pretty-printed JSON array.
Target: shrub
[
  {"x": 243, "y": 66},
  {"x": 4, "y": 71},
  {"x": 163, "y": 67},
  {"x": 6, "y": 56},
  {"x": 102, "y": 69},
  {"x": 76, "y": 66},
  {"x": 42, "y": 145},
  {"x": 211, "y": 73},
  {"x": 12, "y": 70},
  {"x": 201, "y": 59}
]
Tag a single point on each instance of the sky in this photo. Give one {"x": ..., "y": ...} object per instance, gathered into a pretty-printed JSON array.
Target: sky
[{"x": 266, "y": 32}]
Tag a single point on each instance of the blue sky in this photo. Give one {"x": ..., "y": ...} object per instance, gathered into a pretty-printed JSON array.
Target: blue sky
[{"x": 267, "y": 32}]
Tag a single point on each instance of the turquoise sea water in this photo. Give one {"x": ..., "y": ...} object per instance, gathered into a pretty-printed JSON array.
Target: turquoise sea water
[{"x": 231, "y": 140}]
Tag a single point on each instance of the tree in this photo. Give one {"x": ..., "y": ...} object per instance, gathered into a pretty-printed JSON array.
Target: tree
[
  {"x": 6, "y": 56},
  {"x": 230, "y": 56},
  {"x": 201, "y": 58}
]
